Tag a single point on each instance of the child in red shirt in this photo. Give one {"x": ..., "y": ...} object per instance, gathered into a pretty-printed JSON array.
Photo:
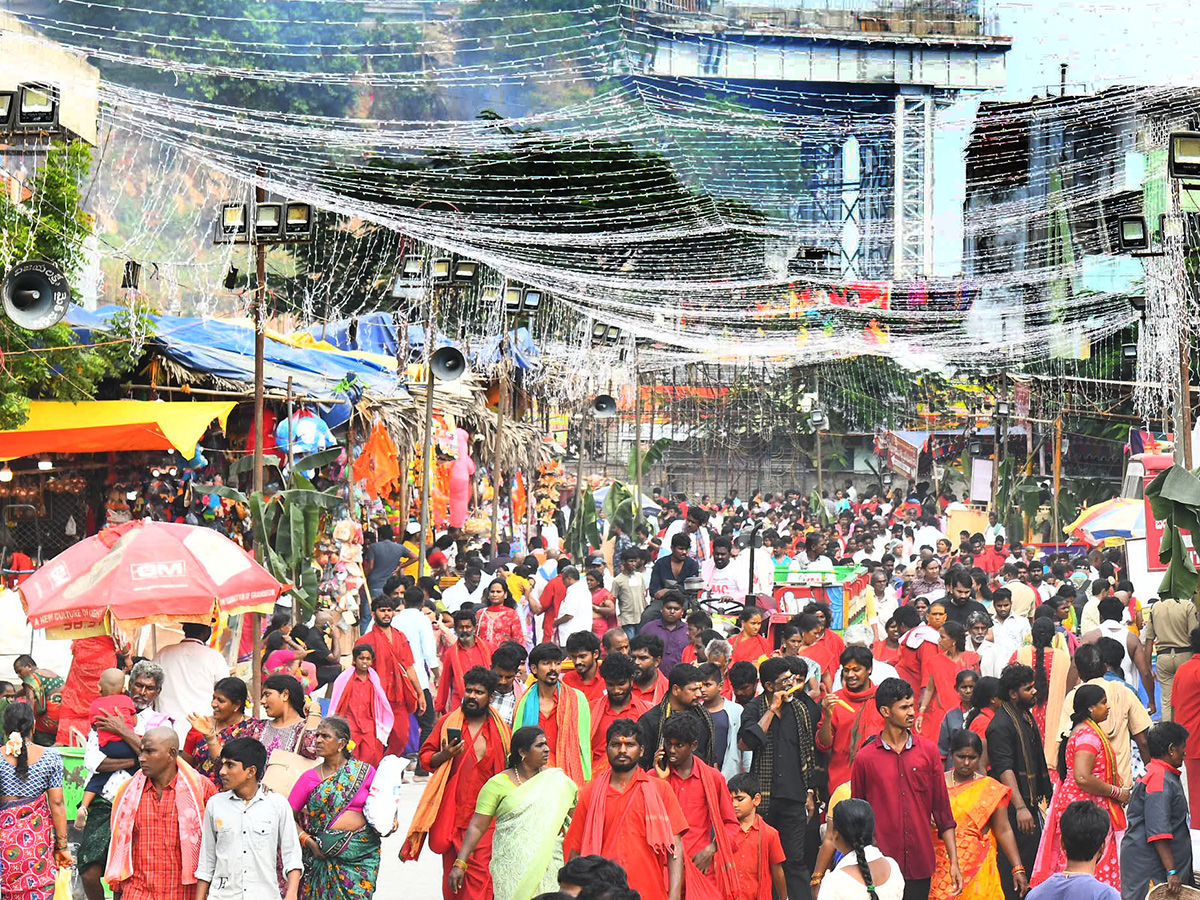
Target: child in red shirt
[
  {"x": 757, "y": 852},
  {"x": 111, "y": 702}
]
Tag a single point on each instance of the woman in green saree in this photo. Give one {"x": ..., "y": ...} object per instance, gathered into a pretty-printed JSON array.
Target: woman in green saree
[
  {"x": 341, "y": 851},
  {"x": 43, "y": 691},
  {"x": 531, "y": 806}
]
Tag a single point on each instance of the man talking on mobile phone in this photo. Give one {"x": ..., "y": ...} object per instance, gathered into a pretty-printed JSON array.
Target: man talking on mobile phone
[{"x": 465, "y": 748}]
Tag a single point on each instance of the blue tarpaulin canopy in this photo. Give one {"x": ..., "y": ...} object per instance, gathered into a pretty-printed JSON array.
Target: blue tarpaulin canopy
[
  {"x": 225, "y": 350},
  {"x": 377, "y": 333}
]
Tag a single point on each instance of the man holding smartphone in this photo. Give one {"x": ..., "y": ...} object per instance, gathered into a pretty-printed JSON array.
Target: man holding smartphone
[{"x": 472, "y": 741}]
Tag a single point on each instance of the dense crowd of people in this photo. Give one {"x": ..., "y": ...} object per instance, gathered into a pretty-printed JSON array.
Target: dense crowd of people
[{"x": 643, "y": 723}]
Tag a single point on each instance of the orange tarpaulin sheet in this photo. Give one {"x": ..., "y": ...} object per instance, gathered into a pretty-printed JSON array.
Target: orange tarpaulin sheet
[{"x": 98, "y": 426}]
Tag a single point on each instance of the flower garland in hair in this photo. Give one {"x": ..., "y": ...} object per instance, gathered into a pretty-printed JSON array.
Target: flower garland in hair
[{"x": 13, "y": 746}]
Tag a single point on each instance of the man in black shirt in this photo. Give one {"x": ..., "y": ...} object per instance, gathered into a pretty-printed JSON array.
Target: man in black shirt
[
  {"x": 778, "y": 728},
  {"x": 685, "y": 697},
  {"x": 1017, "y": 759},
  {"x": 962, "y": 604}
]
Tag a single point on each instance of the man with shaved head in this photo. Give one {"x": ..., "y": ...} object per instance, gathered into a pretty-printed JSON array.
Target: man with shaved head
[{"x": 156, "y": 824}]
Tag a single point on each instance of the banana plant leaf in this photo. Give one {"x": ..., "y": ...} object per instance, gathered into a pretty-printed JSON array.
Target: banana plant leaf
[
  {"x": 1174, "y": 497},
  {"x": 653, "y": 455},
  {"x": 583, "y": 530}
]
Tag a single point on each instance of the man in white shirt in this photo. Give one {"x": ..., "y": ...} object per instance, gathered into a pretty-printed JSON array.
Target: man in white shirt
[
  {"x": 1024, "y": 598},
  {"x": 694, "y": 527},
  {"x": 190, "y": 669},
  {"x": 993, "y": 530},
  {"x": 575, "y": 611},
  {"x": 1009, "y": 632},
  {"x": 468, "y": 589},
  {"x": 885, "y": 604},
  {"x": 977, "y": 640},
  {"x": 418, "y": 631},
  {"x": 722, "y": 577}
]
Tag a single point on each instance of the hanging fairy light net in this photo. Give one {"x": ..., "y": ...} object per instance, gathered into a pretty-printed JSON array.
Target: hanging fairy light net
[{"x": 530, "y": 137}]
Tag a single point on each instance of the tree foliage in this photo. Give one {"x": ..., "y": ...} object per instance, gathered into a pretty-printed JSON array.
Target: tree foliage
[{"x": 51, "y": 225}]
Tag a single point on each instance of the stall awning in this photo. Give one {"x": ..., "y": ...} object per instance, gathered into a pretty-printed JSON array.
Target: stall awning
[{"x": 99, "y": 426}]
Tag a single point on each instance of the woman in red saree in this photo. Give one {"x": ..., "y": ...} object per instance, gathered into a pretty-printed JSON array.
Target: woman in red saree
[
  {"x": 940, "y": 694},
  {"x": 604, "y": 605},
  {"x": 359, "y": 699},
  {"x": 497, "y": 621},
  {"x": 1087, "y": 768}
]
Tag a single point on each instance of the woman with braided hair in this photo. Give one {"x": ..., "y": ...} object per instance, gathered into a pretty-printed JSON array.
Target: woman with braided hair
[{"x": 863, "y": 872}]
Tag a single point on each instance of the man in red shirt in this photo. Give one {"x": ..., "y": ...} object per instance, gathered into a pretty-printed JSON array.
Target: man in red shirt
[
  {"x": 464, "y": 654},
  {"x": 583, "y": 649},
  {"x": 394, "y": 664},
  {"x": 850, "y": 715},
  {"x": 617, "y": 702},
  {"x": 632, "y": 818},
  {"x": 704, "y": 798},
  {"x": 1185, "y": 706},
  {"x": 560, "y": 711},
  {"x": 153, "y": 855},
  {"x": 993, "y": 558},
  {"x": 649, "y": 684},
  {"x": 902, "y": 776},
  {"x": 547, "y": 603}
]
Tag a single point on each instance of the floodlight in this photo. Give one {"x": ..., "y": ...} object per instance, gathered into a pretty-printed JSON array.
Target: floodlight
[
  {"x": 887, "y": 479},
  {"x": 232, "y": 225},
  {"x": 465, "y": 269},
  {"x": 1183, "y": 161},
  {"x": 1133, "y": 234},
  {"x": 8, "y": 103},
  {"x": 412, "y": 266},
  {"x": 1138, "y": 302},
  {"x": 298, "y": 221},
  {"x": 37, "y": 108},
  {"x": 45, "y": 464},
  {"x": 442, "y": 267},
  {"x": 817, "y": 419},
  {"x": 1003, "y": 409},
  {"x": 1129, "y": 352},
  {"x": 599, "y": 329},
  {"x": 268, "y": 221},
  {"x": 533, "y": 299},
  {"x": 514, "y": 299},
  {"x": 975, "y": 448}
]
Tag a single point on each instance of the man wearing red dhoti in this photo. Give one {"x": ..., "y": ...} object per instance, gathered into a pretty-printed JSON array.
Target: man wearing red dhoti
[
  {"x": 562, "y": 712},
  {"x": 850, "y": 715},
  {"x": 704, "y": 798},
  {"x": 461, "y": 656},
  {"x": 617, "y": 702},
  {"x": 397, "y": 674},
  {"x": 460, "y": 767},
  {"x": 632, "y": 818}
]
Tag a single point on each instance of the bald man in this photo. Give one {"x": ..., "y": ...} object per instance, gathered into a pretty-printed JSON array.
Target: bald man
[{"x": 155, "y": 824}]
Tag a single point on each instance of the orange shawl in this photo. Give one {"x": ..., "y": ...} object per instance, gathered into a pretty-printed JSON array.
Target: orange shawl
[
  {"x": 573, "y": 747},
  {"x": 435, "y": 788},
  {"x": 658, "y": 823}
]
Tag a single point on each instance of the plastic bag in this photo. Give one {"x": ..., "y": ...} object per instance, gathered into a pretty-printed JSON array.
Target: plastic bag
[
  {"x": 62, "y": 885},
  {"x": 382, "y": 809}
]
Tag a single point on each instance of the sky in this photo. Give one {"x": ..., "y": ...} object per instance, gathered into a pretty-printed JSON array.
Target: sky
[{"x": 1102, "y": 43}]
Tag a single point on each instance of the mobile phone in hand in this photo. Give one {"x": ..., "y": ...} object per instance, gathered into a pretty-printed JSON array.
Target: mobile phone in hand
[{"x": 453, "y": 735}]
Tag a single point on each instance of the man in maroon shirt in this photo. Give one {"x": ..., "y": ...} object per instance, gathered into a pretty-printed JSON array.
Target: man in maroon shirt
[{"x": 901, "y": 775}]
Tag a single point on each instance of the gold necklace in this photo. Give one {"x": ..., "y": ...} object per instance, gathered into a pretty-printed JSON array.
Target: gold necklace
[{"x": 517, "y": 774}]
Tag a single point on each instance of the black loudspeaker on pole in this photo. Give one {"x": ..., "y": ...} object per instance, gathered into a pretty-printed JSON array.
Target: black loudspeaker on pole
[{"x": 35, "y": 295}]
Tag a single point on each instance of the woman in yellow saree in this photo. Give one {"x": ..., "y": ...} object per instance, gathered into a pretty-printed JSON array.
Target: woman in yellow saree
[{"x": 980, "y": 806}]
